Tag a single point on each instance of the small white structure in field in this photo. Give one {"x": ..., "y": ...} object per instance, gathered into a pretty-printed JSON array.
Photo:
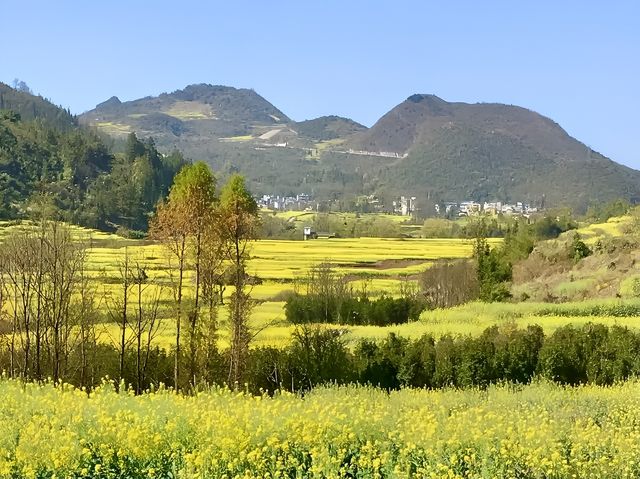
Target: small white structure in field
[{"x": 308, "y": 233}]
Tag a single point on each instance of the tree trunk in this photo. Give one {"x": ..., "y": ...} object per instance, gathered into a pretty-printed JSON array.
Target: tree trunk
[{"x": 123, "y": 324}]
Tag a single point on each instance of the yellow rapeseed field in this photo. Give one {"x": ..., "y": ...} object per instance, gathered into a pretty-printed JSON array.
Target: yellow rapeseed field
[
  {"x": 380, "y": 264},
  {"x": 536, "y": 431}
]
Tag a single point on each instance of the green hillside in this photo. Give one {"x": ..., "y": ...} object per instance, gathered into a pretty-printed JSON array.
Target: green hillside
[
  {"x": 327, "y": 128},
  {"x": 50, "y": 166},
  {"x": 424, "y": 147},
  {"x": 551, "y": 273},
  {"x": 452, "y": 151},
  {"x": 202, "y": 112},
  {"x": 30, "y": 107}
]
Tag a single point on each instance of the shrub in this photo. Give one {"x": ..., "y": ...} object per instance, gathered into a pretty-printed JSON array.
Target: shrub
[
  {"x": 316, "y": 356},
  {"x": 309, "y": 309}
]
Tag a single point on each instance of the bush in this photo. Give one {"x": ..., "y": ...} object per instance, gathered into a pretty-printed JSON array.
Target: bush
[
  {"x": 316, "y": 356},
  {"x": 579, "y": 249},
  {"x": 309, "y": 309},
  {"x": 562, "y": 357}
]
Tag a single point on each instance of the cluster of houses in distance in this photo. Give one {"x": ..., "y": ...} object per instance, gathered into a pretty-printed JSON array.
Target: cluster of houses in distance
[
  {"x": 470, "y": 208},
  {"x": 301, "y": 202},
  {"x": 402, "y": 205}
]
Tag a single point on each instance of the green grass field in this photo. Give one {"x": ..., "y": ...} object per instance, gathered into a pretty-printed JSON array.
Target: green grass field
[{"x": 115, "y": 129}]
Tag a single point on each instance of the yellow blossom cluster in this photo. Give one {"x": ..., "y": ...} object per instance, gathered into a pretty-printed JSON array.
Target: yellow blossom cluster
[{"x": 536, "y": 431}]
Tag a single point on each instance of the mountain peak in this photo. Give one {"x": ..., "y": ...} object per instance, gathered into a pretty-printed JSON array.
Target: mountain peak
[
  {"x": 420, "y": 97},
  {"x": 200, "y": 110},
  {"x": 328, "y": 127},
  {"x": 111, "y": 102},
  {"x": 425, "y": 146}
]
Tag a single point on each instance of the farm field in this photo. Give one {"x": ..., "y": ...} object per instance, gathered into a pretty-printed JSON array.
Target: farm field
[
  {"x": 474, "y": 318},
  {"x": 615, "y": 226},
  {"x": 381, "y": 265},
  {"x": 360, "y": 432},
  {"x": 377, "y": 264}
]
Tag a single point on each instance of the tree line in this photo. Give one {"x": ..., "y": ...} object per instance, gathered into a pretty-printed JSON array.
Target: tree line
[
  {"x": 52, "y": 316},
  {"x": 591, "y": 354},
  {"x": 70, "y": 173},
  {"x": 325, "y": 296}
]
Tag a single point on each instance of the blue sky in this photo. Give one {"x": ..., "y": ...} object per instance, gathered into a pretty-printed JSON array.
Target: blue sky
[{"x": 576, "y": 62}]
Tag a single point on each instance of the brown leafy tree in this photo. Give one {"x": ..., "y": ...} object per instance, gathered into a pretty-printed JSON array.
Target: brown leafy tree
[
  {"x": 184, "y": 223},
  {"x": 238, "y": 223}
]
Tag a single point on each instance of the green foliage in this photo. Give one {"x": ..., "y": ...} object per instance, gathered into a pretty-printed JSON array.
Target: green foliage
[
  {"x": 329, "y": 300},
  {"x": 31, "y": 107},
  {"x": 127, "y": 194},
  {"x": 328, "y": 128},
  {"x": 440, "y": 228},
  {"x": 272, "y": 227},
  {"x": 579, "y": 249},
  {"x": 38, "y": 160},
  {"x": 593, "y": 354},
  {"x": 548, "y": 227},
  {"x": 601, "y": 212},
  {"x": 493, "y": 272},
  {"x": 345, "y": 226},
  {"x": 617, "y": 310},
  {"x": 236, "y": 197},
  {"x": 75, "y": 174},
  {"x": 495, "y": 266},
  {"x": 192, "y": 180},
  {"x": 317, "y": 356},
  {"x": 46, "y": 159},
  {"x": 383, "y": 311},
  {"x": 488, "y": 227}
]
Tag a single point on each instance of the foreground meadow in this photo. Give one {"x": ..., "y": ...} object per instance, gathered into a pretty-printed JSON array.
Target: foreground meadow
[{"x": 532, "y": 431}]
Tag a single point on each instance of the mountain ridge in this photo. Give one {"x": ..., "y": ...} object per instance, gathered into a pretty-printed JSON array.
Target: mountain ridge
[
  {"x": 425, "y": 146},
  {"x": 30, "y": 106}
]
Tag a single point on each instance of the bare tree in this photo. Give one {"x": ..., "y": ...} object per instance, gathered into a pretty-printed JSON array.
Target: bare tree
[
  {"x": 148, "y": 297},
  {"x": 4, "y": 301},
  {"x": 213, "y": 272},
  {"x": 449, "y": 283},
  {"x": 42, "y": 272},
  {"x": 118, "y": 306},
  {"x": 85, "y": 318},
  {"x": 21, "y": 272},
  {"x": 63, "y": 259}
]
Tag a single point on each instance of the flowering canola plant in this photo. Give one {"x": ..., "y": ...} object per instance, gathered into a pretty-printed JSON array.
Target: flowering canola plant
[{"x": 536, "y": 431}]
